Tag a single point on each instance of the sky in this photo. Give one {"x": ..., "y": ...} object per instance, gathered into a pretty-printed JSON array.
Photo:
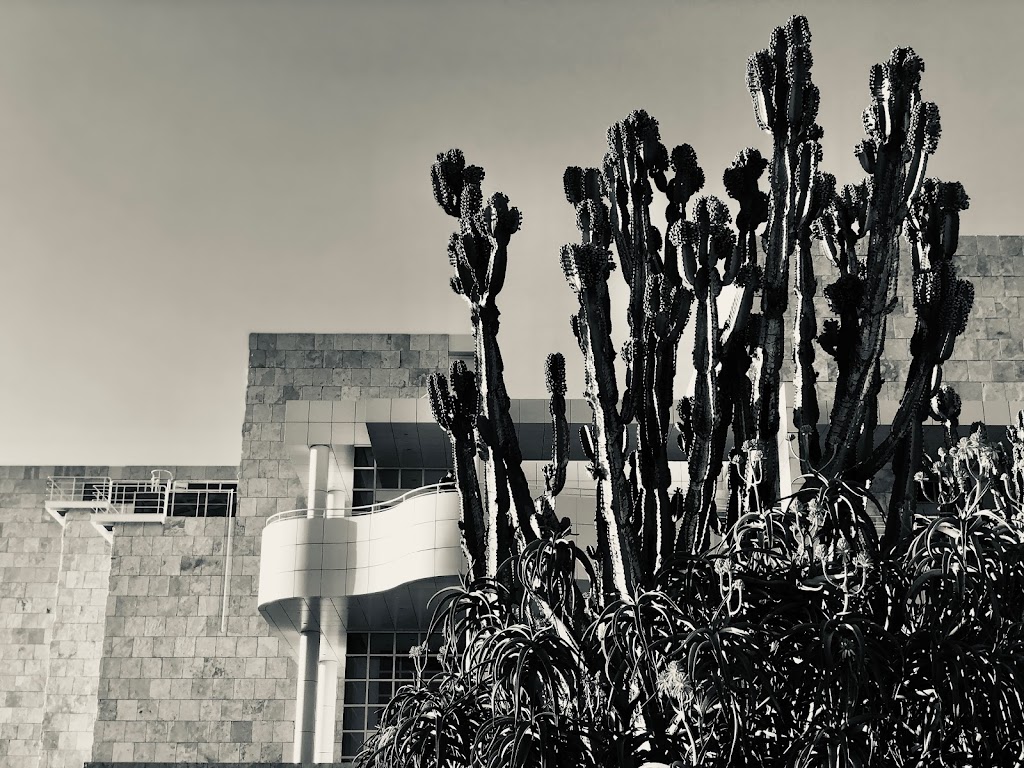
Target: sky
[{"x": 177, "y": 174}]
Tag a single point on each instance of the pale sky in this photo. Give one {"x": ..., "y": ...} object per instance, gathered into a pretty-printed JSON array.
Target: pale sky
[{"x": 176, "y": 175}]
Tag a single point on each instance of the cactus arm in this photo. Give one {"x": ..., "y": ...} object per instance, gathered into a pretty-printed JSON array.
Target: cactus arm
[
  {"x": 502, "y": 438},
  {"x": 587, "y": 268},
  {"x": 703, "y": 243},
  {"x": 454, "y": 410},
  {"x": 479, "y": 255},
  {"x": 554, "y": 472},
  {"x": 819, "y": 190}
]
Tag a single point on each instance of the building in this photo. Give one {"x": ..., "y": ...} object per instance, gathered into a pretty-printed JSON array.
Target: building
[{"x": 226, "y": 614}]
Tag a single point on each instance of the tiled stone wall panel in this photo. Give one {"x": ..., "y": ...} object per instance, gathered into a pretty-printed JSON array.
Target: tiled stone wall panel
[
  {"x": 987, "y": 362},
  {"x": 76, "y": 645},
  {"x": 29, "y": 561},
  {"x": 43, "y": 698}
]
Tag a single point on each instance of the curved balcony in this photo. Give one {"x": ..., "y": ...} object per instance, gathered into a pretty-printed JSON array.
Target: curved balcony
[{"x": 369, "y": 568}]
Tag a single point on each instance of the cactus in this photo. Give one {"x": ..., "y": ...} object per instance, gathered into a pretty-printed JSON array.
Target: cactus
[
  {"x": 943, "y": 302},
  {"x": 478, "y": 253},
  {"x": 703, "y": 243},
  {"x": 587, "y": 268},
  {"x": 454, "y": 410},
  {"x": 902, "y": 132},
  {"x": 681, "y": 270},
  {"x": 817, "y": 190},
  {"x": 786, "y": 106}
]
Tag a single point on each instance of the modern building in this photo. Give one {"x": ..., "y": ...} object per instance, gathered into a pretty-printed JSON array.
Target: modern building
[{"x": 264, "y": 612}]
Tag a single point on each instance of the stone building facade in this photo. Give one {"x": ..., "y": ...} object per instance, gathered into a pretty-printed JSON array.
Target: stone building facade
[{"x": 151, "y": 648}]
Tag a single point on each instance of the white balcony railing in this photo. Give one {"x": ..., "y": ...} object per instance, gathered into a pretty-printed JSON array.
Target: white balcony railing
[{"x": 368, "y": 509}]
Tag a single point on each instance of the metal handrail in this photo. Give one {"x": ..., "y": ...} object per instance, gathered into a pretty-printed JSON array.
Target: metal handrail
[
  {"x": 368, "y": 509},
  {"x": 117, "y": 496},
  {"x": 73, "y": 487}
]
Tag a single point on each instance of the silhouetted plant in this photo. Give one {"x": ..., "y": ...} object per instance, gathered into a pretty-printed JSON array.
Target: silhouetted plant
[{"x": 783, "y": 630}]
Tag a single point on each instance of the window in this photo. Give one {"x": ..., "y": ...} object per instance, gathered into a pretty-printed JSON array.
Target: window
[
  {"x": 205, "y": 499},
  {"x": 377, "y": 665},
  {"x": 373, "y": 484}
]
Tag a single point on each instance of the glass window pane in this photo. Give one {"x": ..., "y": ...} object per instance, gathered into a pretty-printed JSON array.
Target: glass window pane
[
  {"x": 404, "y": 641},
  {"x": 355, "y": 668},
  {"x": 382, "y": 642},
  {"x": 350, "y": 743},
  {"x": 354, "y": 718},
  {"x": 411, "y": 478},
  {"x": 363, "y": 478},
  {"x": 387, "y": 478},
  {"x": 382, "y": 667},
  {"x": 357, "y": 643},
  {"x": 355, "y": 692},
  {"x": 363, "y": 456},
  {"x": 373, "y": 717},
  {"x": 433, "y": 476},
  {"x": 379, "y": 693}
]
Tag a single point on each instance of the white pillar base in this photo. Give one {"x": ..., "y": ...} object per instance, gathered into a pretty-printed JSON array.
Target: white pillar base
[
  {"x": 326, "y": 710},
  {"x": 305, "y": 697}
]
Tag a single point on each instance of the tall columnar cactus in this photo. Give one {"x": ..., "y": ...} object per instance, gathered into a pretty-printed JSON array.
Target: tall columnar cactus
[
  {"x": 554, "y": 471},
  {"x": 816, "y": 191},
  {"x": 455, "y": 411},
  {"x": 478, "y": 252},
  {"x": 703, "y": 243},
  {"x": 902, "y": 131},
  {"x": 943, "y": 302},
  {"x": 587, "y": 268},
  {"x": 786, "y": 106}
]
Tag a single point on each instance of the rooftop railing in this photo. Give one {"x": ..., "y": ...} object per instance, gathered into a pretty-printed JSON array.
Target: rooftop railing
[{"x": 368, "y": 509}]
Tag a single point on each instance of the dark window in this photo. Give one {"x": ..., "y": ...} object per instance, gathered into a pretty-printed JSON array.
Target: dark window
[{"x": 376, "y": 666}]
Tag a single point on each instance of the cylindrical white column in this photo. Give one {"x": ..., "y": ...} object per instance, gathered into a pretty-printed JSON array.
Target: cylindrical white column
[
  {"x": 305, "y": 696},
  {"x": 319, "y": 463},
  {"x": 339, "y": 502},
  {"x": 326, "y": 709}
]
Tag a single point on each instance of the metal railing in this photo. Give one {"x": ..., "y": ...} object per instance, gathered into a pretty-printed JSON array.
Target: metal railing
[
  {"x": 70, "y": 488},
  {"x": 115, "y": 496},
  {"x": 368, "y": 509}
]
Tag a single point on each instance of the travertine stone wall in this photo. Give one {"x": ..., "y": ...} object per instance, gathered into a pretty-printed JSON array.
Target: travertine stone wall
[
  {"x": 76, "y": 645},
  {"x": 29, "y": 561},
  {"x": 988, "y": 363},
  {"x": 38, "y": 613},
  {"x": 170, "y": 677}
]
